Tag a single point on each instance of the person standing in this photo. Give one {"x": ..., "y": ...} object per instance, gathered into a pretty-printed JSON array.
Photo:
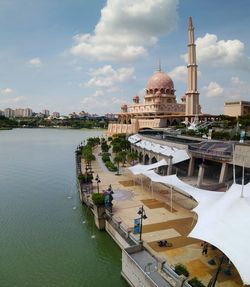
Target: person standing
[{"x": 205, "y": 248}]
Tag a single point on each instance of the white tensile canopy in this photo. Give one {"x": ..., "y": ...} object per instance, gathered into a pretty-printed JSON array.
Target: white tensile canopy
[
  {"x": 140, "y": 168},
  {"x": 223, "y": 219},
  {"x": 178, "y": 155}
]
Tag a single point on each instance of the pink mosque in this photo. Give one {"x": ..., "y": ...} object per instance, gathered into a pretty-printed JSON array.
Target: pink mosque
[{"x": 159, "y": 108}]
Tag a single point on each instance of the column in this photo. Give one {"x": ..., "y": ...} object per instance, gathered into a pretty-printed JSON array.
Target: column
[
  {"x": 191, "y": 166},
  {"x": 223, "y": 172},
  {"x": 200, "y": 175},
  {"x": 170, "y": 165}
]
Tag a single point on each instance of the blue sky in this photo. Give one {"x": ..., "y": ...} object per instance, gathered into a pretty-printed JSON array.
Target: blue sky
[{"x": 73, "y": 55}]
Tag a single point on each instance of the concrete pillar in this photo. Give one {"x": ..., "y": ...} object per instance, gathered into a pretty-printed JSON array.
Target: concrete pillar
[
  {"x": 99, "y": 212},
  {"x": 170, "y": 165},
  {"x": 223, "y": 172},
  {"x": 200, "y": 175},
  {"x": 191, "y": 166}
]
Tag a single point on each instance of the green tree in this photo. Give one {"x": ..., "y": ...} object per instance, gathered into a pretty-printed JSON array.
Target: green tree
[
  {"x": 132, "y": 156},
  {"x": 118, "y": 159},
  {"x": 195, "y": 282},
  {"x": 116, "y": 147},
  {"x": 181, "y": 269},
  {"x": 98, "y": 199},
  {"x": 104, "y": 146},
  {"x": 123, "y": 155}
]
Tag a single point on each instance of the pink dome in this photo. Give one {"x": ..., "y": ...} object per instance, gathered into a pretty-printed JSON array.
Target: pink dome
[
  {"x": 160, "y": 80},
  {"x": 136, "y": 98}
]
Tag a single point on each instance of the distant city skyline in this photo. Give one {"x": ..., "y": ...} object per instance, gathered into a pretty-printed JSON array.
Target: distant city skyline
[
  {"x": 28, "y": 112},
  {"x": 75, "y": 55}
]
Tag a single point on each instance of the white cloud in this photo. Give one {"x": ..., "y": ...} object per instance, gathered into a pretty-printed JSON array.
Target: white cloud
[
  {"x": 212, "y": 51},
  {"x": 237, "y": 82},
  {"x": 93, "y": 104},
  {"x": 101, "y": 101},
  {"x": 107, "y": 77},
  {"x": 10, "y": 101},
  {"x": 238, "y": 89},
  {"x": 179, "y": 73},
  {"x": 35, "y": 62},
  {"x": 126, "y": 28},
  {"x": 6, "y": 91},
  {"x": 213, "y": 90},
  {"x": 98, "y": 93}
]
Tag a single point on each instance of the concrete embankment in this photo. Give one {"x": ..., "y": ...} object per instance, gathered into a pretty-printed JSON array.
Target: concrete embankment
[{"x": 139, "y": 266}]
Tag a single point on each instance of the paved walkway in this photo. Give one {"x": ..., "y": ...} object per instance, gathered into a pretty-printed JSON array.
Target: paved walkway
[{"x": 164, "y": 222}]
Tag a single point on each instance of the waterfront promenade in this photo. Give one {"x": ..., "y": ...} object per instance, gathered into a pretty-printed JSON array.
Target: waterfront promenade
[{"x": 164, "y": 222}]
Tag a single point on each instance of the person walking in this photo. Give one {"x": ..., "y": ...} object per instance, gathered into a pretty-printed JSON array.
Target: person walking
[{"x": 205, "y": 248}]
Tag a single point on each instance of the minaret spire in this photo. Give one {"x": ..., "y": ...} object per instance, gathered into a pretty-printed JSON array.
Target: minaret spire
[
  {"x": 190, "y": 23},
  {"x": 159, "y": 65},
  {"x": 192, "y": 94}
]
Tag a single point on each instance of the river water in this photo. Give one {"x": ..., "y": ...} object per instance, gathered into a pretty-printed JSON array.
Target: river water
[{"x": 47, "y": 238}]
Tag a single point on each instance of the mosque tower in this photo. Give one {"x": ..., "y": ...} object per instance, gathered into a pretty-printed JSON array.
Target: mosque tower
[{"x": 192, "y": 94}]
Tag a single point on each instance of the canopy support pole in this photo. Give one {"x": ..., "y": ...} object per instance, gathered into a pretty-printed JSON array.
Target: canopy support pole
[
  {"x": 234, "y": 163},
  {"x": 243, "y": 180},
  {"x": 171, "y": 198}
]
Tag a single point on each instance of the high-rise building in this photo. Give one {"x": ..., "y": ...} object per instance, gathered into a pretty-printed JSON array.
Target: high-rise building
[
  {"x": 45, "y": 112},
  {"x": 56, "y": 115},
  {"x": 9, "y": 113},
  {"x": 27, "y": 113},
  {"x": 18, "y": 113}
]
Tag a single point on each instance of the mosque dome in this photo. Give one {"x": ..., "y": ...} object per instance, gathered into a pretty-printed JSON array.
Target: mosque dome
[{"x": 159, "y": 81}]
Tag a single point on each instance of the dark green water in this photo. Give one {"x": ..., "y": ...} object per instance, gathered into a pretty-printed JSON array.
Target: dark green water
[{"x": 44, "y": 239}]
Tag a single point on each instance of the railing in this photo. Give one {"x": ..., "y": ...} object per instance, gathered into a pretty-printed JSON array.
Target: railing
[
  {"x": 210, "y": 152},
  {"x": 122, "y": 230}
]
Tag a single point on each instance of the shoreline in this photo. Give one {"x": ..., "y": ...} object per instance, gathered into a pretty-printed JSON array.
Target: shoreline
[{"x": 162, "y": 223}]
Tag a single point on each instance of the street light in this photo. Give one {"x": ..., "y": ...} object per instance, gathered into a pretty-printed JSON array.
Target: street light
[
  {"x": 110, "y": 189},
  {"x": 97, "y": 179},
  {"x": 143, "y": 215}
]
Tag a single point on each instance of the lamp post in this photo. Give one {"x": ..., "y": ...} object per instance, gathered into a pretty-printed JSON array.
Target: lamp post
[
  {"x": 97, "y": 179},
  {"x": 143, "y": 215},
  {"x": 110, "y": 189}
]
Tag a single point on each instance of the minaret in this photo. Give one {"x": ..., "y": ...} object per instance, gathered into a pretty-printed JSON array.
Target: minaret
[
  {"x": 192, "y": 94},
  {"x": 159, "y": 66}
]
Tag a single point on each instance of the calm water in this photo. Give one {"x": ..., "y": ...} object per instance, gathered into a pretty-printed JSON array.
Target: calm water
[{"x": 46, "y": 234}]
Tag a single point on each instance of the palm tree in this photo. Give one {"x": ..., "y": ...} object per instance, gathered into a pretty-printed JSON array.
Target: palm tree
[
  {"x": 132, "y": 156},
  {"x": 123, "y": 155},
  {"x": 118, "y": 158}
]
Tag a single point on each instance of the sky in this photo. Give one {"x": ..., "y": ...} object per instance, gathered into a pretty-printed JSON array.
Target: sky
[{"x": 74, "y": 55}]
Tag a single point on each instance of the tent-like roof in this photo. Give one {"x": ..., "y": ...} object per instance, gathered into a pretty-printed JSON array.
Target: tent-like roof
[
  {"x": 223, "y": 219},
  {"x": 178, "y": 155},
  {"x": 140, "y": 168}
]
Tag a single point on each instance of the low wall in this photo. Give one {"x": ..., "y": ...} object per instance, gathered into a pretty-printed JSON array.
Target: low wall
[
  {"x": 120, "y": 241},
  {"x": 133, "y": 273}
]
